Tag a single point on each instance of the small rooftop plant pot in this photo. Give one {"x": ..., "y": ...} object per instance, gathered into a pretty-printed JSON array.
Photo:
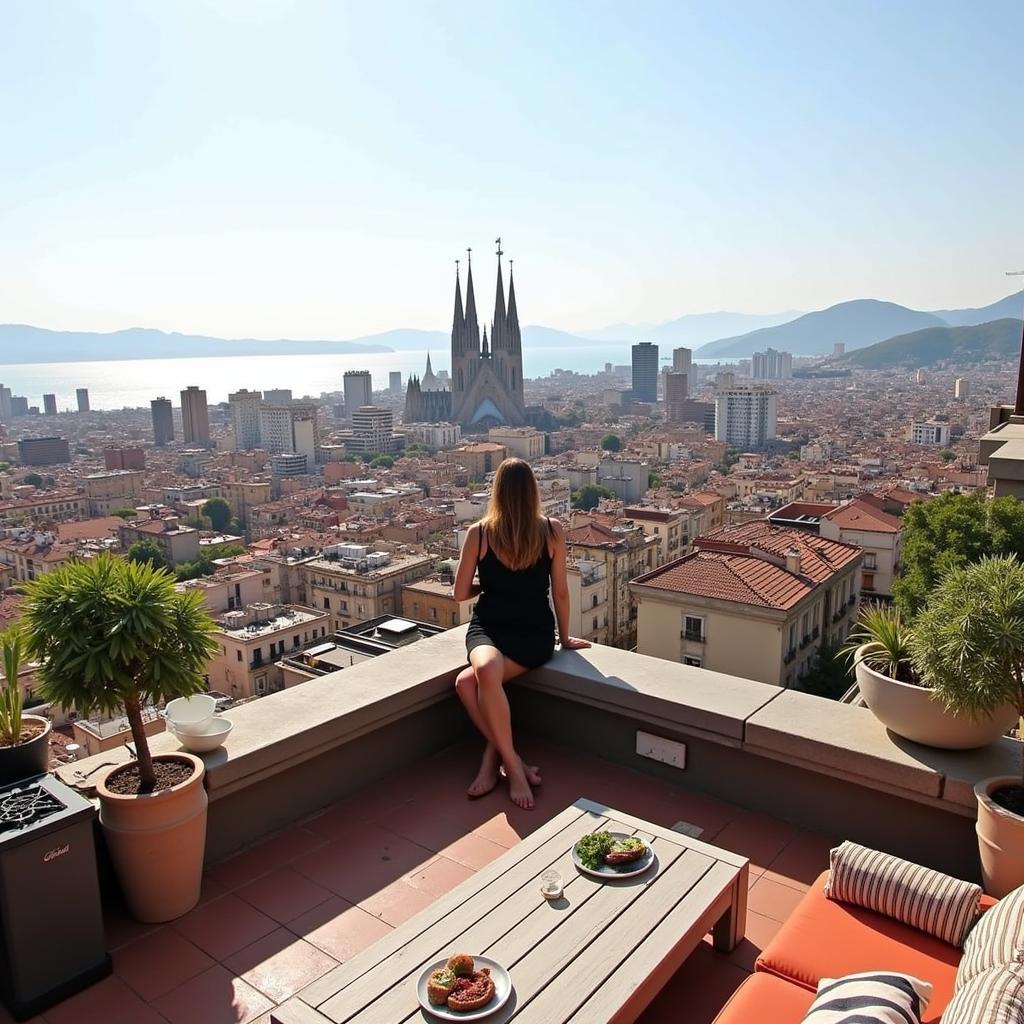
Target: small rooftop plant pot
[
  {"x": 1000, "y": 837},
  {"x": 157, "y": 841},
  {"x": 914, "y": 713},
  {"x": 24, "y": 760}
]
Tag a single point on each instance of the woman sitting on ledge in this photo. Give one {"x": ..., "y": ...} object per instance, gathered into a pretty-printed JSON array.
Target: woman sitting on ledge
[{"x": 519, "y": 554}]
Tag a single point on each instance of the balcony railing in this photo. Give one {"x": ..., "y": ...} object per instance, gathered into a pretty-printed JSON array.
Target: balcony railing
[{"x": 694, "y": 636}]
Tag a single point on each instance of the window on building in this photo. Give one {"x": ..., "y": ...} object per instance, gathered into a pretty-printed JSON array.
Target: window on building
[
  {"x": 693, "y": 662},
  {"x": 693, "y": 628},
  {"x": 868, "y": 581},
  {"x": 327, "y": 602},
  {"x": 238, "y": 655},
  {"x": 870, "y": 560},
  {"x": 595, "y": 622},
  {"x": 295, "y": 640}
]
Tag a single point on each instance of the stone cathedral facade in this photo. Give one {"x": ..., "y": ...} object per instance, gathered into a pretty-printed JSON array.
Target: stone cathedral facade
[{"x": 487, "y": 373}]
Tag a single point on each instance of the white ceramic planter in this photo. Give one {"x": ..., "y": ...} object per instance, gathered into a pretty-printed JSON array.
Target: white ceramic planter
[
  {"x": 1000, "y": 839},
  {"x": 913, "y": 713}
]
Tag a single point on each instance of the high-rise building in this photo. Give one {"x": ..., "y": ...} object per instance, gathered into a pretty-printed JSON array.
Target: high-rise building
[
  {"x": 5, "y": 403},
  {"x": 43, "y": 451},
  {"x": 682, "y": 362},
  {"x": 291, "y": 427},
  {"x": 676, "y": 391},
  {"x": 163, "y": 421},
  {"x": 961, "y": 389},
  {"x": 395, "y": 382},
  {"x": 725, "y": 379},
  {"x": 372, "y": 429},
  {"x": 19, "y": 406},
  {"x": 195, "y": 417},
  {"x": 932, "y": 432},
  {"x": 772, "y": 365},
  {"x": 745, "y": 417},
  {"x": 82, "y": 396},
  {"x": 49, "y": 405},
  {"x": 838, "y": 349},
  {"x": 645, "y": 372},
  {"x": 277, "y": 395},
  {"x": 358, "y": 390},
  {"x": 245, "y": 418}
]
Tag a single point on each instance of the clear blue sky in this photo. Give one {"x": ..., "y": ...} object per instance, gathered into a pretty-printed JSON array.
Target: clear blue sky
[{"x": 312, "y": 169}]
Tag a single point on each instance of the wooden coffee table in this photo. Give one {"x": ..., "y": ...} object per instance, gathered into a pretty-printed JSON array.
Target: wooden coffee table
[{"x": 600, "y": 954}]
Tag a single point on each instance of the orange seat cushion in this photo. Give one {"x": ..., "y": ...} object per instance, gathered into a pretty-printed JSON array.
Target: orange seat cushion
[
  {"x": 765, "y": 999},
  {"x": 826, "y": 939}
]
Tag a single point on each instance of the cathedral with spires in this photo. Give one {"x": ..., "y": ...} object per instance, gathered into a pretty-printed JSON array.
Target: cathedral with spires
[{"x": 486, "y": 387}]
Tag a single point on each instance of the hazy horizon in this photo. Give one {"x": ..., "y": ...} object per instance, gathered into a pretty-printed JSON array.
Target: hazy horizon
[{"x": 312, "y": 170}]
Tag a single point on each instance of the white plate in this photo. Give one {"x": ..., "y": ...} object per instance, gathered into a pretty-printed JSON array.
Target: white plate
[
  {"x": 636, "y": 867},
  {"x": 502, "y": 990}
]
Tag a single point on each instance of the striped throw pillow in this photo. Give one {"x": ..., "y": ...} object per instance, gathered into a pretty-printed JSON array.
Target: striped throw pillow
[
  {"x": 877, "y": 996},
  {"x": 924, "y": 899},
  {"x": 995, "y": 996},
  {"x": 996, "y": 940}
]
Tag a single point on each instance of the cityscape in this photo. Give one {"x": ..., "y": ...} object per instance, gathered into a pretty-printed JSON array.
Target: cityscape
[{"x": 753, "y": 320}]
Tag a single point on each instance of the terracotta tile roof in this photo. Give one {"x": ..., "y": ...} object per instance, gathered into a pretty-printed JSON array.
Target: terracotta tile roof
[
  {"x": 744, "y": 579},
  {"x": 820, "y": 559},
  {"x": 861, "y": 515},
  {"x": 89, "y": 529},
  {"x": 592, "y": 534}
]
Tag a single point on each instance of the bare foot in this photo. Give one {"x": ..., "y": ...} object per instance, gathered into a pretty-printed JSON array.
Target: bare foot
[
  {"x": 519, "y": 789},
  {"x": 486, "y": 778},
  {"x": 532, "y": 771}
]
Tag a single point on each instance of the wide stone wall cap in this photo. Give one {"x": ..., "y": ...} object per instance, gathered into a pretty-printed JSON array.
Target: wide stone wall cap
[
  {"x": 842, "y": 739},
  {"x": 653, "y": 688},
  {"x": 962, "y": 769}
]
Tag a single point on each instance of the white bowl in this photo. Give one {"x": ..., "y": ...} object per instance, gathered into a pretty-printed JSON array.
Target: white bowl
[
  {"x": 191, "y": 714},
  {"x": 216, "y": 734}
]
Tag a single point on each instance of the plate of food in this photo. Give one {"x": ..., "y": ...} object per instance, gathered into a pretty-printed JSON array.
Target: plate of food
[
  {"x": 463, "y": 987},
  {"x": 612, "y": 855}
]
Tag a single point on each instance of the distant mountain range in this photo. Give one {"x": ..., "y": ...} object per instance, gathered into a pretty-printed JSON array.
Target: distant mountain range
[
  {"x": 997, "y": 341},
  {"x": 857, "y": 324},
  {"x": 691, "y": 330}
]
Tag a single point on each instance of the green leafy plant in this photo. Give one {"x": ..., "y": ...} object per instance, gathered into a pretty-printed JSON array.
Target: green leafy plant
[
  {"x": 112, "y": 635},
  {"x": 968, "y": 643},
  {"x": 218, "y": 511},
  {"x": 12, "y": 649},
  {"x": 886, "y": 638}
]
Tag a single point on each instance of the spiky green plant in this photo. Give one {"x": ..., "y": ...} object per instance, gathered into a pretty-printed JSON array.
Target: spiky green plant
[
  {"x": 968, "y": 642},
  {"x": 111, "y": 634},
  {"x": 12, "y": 648},
  {"x": 885, "y": 637}
]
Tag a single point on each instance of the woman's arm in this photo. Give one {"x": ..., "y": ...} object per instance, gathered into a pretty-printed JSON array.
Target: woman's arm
[
  {"x": 464, "y": 588},
  {"x": 560, "y": 590}
]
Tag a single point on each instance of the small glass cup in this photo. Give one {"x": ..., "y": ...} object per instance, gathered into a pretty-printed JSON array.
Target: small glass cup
[{"x": 551, "y": 884}]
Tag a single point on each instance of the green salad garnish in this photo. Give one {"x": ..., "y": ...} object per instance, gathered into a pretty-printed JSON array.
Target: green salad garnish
[{"x": 592, "y": 848}]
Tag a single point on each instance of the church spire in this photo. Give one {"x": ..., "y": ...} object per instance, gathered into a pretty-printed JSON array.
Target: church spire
[
  {"x": 484, "y": 352},
  {"x": 472, "y": 327},
  {"x": 515, "y": 341},
  {"x": 498, "y": 333},
  {"x": 459, "y": 319}
]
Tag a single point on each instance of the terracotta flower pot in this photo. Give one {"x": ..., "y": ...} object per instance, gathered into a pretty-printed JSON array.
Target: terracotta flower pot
[
  {"x": 24, "y": 760},
  {"x": 157, "y": 841},
  {"x": 1000, "y": 838},
  {"x": 913, "y": 713}
]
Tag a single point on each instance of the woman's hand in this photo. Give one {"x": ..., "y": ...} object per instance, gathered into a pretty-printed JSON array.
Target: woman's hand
[{"x": 574, "y": 643}]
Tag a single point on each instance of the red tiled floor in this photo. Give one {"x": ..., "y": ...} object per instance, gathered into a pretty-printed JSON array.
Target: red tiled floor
[
  {"x": 773, "y": 899},
  {"x": 339, "y": 929},
  {"x": 159, "y": 962},
  {"x": 438, "y": 876},
  {"x": 110, "y": 1001},
  {"x": 760, "y": 931},
  {"x": 284, "y": 894},
  {"x": 697, "y": 991},
  {"x": 499, "y": 830},
  {"x": 756, "y": 836},
  {"x": 280, "y": 964},
  {"x": 474, "y": 851},
  {"x": 804, "y": 857},
  {"x": 397, "y": 902},
  {"x": 214, "y": 997},
  {"x": 224, "y": 926},
  {"x": 264, "y": 857}
]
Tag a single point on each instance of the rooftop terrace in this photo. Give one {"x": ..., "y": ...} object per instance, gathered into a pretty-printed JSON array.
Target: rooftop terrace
[{"x": 337, "y": 811}]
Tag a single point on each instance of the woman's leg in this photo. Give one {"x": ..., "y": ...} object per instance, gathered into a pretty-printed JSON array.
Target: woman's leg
[
  {"x": 486, "y": 779},
  {"x": 492, "y": 670}
]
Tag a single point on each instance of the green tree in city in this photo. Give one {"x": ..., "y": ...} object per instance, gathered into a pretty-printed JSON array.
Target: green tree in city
[
  {"x": 34, "y": 480},
  {"x": 111, "y": 634},
  {"x": 218, "y": 511},
  {"x": 830, "y": 674},
  {"x": 947, "y": 455},
  {"x": 588, "y": 496},
  {"x": 125, "y": 513},
  {"x": 148, "y": 552},
  {"x": 611, "y": 443},
  {"x": 382, "y": 462},
  {"x": 951, "y": 531}
]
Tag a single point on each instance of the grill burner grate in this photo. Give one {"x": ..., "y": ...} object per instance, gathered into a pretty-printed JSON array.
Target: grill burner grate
[{"x": 24, "y": 807}]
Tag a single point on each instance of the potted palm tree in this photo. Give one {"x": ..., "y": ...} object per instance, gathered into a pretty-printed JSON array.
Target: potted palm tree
[
  {"x": 907, "y": 700},
  {"x": 115, "y": 636},
  {"x": 969, "y": 644},
  {"x": 24, "y": 739}
]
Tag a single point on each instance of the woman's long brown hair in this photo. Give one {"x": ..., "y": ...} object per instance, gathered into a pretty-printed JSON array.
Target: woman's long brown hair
[{"x": 514, "y": 521}]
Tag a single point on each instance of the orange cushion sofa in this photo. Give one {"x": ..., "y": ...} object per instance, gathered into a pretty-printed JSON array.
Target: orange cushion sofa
[{"x": 826, "y": 939}]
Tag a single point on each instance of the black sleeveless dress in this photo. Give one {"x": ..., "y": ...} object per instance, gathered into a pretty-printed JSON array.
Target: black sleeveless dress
[{"x": 513, "y": 612}]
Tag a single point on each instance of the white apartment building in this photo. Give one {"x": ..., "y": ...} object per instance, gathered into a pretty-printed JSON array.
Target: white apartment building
[
  {"x": 373, "y": 429},
  {"x": 291, "y": 427},
  {"x": 930, "y": 432},
  {"x": 771, "y": 365},
  {"x": 245, "y": 418},
  {"x": 522, "y": 442},
  {"x": 588, "y": 600},
  {"x": 358, "y": 387},
  {"x": 746, "y": 417},
  {"x": 437, "y": 435}
]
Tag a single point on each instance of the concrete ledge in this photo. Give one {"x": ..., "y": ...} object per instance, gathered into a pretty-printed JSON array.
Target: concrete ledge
[{"x": 654, "y": 691}]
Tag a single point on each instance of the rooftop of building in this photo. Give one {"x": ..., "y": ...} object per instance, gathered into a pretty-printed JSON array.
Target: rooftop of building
[
  {"x": 397, "y": 563},
  {"x": 256, "y": 620}
]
